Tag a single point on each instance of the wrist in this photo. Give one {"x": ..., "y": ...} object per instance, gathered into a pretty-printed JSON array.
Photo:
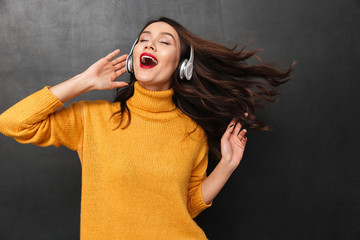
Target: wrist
[
  {"x": 84, "y": 83},
  {"x": 71, "y": 88},
  {"x": 226, "y": 166}
]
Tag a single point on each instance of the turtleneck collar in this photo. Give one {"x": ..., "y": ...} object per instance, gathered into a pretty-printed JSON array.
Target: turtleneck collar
[{"x": 150, "y": 103}]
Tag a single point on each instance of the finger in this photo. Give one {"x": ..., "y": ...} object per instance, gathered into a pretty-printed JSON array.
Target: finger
[
  {"x": 120, "y": 59},
  {"x": 120, "y": 72},
  {"x": 229, "y": 129},
  {"x": 242, "y": 134},
  {"x": 119, "y": 84},
  {"x": 112, "y": 54},
  {"x": 240, "y": 139},
  {"x": 246, "y": 115},
  {"x": 237, "y": 128},
  {"x": 119, "y": 65}
]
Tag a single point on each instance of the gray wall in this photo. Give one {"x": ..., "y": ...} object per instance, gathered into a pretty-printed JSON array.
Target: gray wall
[{"x": 301, "y": 181}]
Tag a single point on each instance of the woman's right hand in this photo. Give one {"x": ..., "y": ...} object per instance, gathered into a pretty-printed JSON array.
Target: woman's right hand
[
  {"x": 101, "y": 76},
  {"x": 103, "y": 73}
]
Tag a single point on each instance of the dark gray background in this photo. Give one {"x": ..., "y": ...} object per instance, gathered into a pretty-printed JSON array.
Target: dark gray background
[{"x": 301, "y": 181}]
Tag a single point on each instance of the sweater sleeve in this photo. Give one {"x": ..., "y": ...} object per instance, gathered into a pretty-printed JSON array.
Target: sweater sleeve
[
  {"x": 196, "y": 203},
  {"x": 35, "y": 120}
]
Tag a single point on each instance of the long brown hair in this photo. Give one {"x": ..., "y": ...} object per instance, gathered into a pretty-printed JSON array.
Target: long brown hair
[{"x": 223, "y": 86}]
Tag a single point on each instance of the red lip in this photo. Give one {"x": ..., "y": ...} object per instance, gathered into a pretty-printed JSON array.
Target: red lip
[{"x": 150, "y": 55}]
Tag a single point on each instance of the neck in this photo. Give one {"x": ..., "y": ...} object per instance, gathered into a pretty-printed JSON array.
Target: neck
[
  {"x": 152, "y": 101},
  {"x": 155, "y": 87}
]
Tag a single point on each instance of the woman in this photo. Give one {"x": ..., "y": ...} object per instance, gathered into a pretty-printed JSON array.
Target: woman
[{"x": 144, "y": 157}]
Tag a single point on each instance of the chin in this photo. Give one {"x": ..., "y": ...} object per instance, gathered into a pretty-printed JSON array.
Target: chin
[
  {"x": 152, "y": 78},
  {"x": 144, "y": 78}
]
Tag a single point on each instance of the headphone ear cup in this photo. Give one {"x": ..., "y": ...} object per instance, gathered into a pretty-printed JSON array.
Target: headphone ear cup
[
  {"x": 182, "y": 69},
  {"x": 188, "y": 71},
  {"x": 129, "y": 59},
  {"x": 186, "y": 66},
  {"x": 129, "y": 64}
]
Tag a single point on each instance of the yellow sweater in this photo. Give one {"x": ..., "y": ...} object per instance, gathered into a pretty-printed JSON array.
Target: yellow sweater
[{"x": 142, "y": 182}]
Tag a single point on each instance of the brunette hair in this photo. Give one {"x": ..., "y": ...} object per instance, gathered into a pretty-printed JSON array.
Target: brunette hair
[{"x": 223, "y": 86}]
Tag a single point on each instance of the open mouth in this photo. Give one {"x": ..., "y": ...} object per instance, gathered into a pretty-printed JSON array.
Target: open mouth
[{"x": 148, "y": 60}]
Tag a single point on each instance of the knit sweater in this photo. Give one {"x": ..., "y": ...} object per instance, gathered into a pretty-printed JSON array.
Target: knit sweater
[{"x": 141, "y": 182}]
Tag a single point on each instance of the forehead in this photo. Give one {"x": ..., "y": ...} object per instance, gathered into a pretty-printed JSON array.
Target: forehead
[{"x": 162, "y": 27}]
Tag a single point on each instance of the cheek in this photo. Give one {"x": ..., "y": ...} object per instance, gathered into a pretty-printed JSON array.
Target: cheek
[
  {"x": 171, "y": 59},
  {"x": 135, "y": 54},
  {"x": 136, "y": 59}
]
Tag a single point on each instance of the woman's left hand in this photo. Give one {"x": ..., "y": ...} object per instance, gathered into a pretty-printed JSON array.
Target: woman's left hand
[{"x": 233, "y": 144}]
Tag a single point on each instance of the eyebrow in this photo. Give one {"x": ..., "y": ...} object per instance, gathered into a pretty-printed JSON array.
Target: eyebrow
[{"x": 162, "y": 33}]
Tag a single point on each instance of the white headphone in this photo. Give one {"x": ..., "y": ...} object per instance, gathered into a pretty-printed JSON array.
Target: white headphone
[
  {"x": 129, "y": 59},
  {"x": 185, "y": 69},
  {"x": 186, "y": 66}
]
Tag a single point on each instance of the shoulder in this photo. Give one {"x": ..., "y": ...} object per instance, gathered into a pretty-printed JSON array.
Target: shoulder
[
  {"x": 99, "y": 106},
  {"x": 98, "y": 109}
]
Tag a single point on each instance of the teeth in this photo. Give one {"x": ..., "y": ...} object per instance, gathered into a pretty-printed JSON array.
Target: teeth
[{"x": 143, "y": 59}]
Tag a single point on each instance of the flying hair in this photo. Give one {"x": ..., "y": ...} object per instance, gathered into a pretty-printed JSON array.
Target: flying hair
[{"x": 223, "y": 86}]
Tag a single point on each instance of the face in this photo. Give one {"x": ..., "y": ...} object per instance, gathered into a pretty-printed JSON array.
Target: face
[{"x": 156, "y": 56}]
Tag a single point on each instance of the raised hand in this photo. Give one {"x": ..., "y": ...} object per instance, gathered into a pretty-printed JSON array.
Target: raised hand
[
  {"x": 233, "y": 144},
  {"x": 103, "y": 73}
]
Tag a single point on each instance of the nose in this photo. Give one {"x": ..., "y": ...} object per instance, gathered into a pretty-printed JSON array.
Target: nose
[{"x": 150, "y": 45}]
